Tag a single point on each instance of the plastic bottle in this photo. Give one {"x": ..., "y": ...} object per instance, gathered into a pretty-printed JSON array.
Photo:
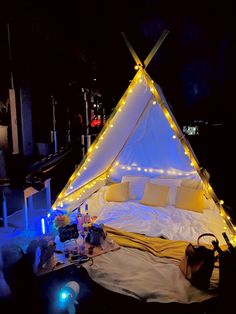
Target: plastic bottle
[
  {"x": 80, "y": 221},
  {"x": 231, "y": 249},
  {"x": 87, "y": 218}
]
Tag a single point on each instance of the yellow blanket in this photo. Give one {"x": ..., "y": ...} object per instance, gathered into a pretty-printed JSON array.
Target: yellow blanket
[{"x": 156, "y": 246}]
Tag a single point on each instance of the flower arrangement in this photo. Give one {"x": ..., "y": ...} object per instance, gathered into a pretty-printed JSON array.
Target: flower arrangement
[{"x": 61, "y": 221}]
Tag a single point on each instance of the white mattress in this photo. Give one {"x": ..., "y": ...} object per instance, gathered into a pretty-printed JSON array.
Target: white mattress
[
  {"x": 141, "y": 274},
  {"x": 170, "y": 222}
]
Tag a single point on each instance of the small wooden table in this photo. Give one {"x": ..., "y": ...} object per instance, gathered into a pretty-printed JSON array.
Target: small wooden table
[{"x": 58, "y": 261}]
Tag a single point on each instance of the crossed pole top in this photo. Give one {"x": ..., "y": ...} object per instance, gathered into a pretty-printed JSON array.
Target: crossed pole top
[{"x": 152, "y": 52}]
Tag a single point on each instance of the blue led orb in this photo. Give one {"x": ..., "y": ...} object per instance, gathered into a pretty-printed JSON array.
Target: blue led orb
[
  {"x": 68, "y": 295},
  {"x": 63, "y": 296}
]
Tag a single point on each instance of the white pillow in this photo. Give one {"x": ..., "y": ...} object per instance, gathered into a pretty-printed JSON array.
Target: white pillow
[
  {"x": 172, "y": 183},
  {"x": 136, "y": 185}
]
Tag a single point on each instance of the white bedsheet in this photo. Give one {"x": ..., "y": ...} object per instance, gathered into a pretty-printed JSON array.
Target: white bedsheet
[
  {"x": 147, "y": 277},
  {"x": 169, "y": 222}
]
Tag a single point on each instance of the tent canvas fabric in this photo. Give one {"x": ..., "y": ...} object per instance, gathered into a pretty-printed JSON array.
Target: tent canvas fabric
[
  {"x": 141, "y": 137},
  {"x": 137, "y": 136}
]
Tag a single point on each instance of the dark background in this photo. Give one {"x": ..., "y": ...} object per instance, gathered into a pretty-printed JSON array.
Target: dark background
[{"x": 57, "y": 48}]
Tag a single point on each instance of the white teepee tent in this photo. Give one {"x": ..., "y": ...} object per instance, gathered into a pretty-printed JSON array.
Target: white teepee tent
[{"x": 141, "y": 137}]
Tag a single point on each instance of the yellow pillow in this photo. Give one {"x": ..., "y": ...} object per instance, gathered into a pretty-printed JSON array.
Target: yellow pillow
[
  {"x": 189, "y": 199},
  {"x": 155, "y": 195},
  {"x": 118, "y": 192}
]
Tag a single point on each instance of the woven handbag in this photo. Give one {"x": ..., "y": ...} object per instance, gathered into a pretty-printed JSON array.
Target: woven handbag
[{"x": 198, "y": 263}]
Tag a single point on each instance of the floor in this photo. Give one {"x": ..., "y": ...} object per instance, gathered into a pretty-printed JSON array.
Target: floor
[{"x": 92, "y": 298}]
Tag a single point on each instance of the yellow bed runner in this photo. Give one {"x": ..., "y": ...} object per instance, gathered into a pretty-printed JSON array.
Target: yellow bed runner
[{"x": 156, "y": 246}]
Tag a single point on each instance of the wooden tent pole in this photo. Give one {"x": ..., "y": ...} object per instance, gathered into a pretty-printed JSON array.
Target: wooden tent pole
[{"x": 156, "y": 47}]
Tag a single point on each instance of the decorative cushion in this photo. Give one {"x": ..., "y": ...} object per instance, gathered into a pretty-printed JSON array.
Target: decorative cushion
[
  {"x": 172, "y": 184},
  {"x": 155, "y": 195},
  {"x": 118, "y": 192},
  {"x": 189, "y": 199},
  {"x": 199, "y": 185},
  {"x": 193, "y": 184},
  {"x": 136, "y": 185}
]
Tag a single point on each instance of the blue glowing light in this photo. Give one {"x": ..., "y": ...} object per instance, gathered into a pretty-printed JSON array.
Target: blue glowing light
[
  {"x": 64, "y": 295},
  {"x": 43, "y": 225}
]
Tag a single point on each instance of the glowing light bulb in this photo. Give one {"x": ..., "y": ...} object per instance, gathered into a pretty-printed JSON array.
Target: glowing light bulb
[
  {"x": 119, "y": 109},
  {"x": 145, "y": 170},
  {"x": 174, "y": 137},
  {"x": 117, "y": 163},
  {"x": 139, "y": 169},
  {"x": 154, "y": 102},
  {"x": 111, "y": 125},
  {"x": 136, "y": 67},
  {"x": 172, "y": 125},
  {"x": 221, "y": 202},
  {"x": 130, "y": 90},
  {"x": 85, "y": 168},
  {"x": 64, "y": 295}
]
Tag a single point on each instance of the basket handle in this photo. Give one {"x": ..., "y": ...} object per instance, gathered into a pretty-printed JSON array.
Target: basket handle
[{"x": 206, "y": 234}]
